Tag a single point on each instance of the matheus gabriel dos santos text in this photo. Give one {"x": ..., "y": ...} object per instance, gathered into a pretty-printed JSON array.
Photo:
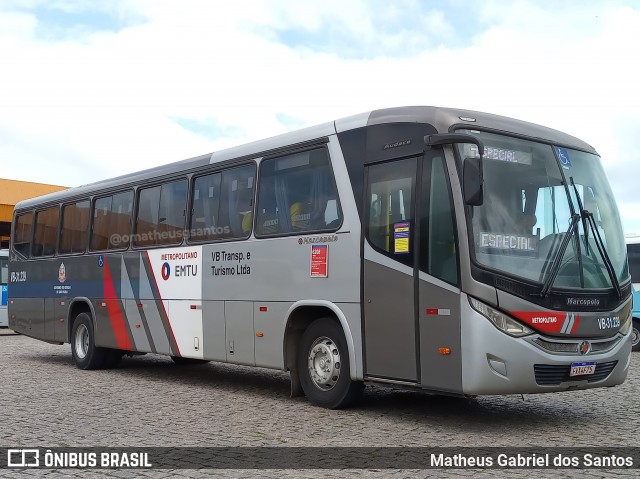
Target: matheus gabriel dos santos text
[{"x": 531, "y": 460}]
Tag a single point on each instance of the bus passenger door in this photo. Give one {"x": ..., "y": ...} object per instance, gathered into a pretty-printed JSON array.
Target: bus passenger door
[
  {"x": 390, "y": 328},
  {"x": 411, "y": 293},
  {"x": 438, "y": 280}
]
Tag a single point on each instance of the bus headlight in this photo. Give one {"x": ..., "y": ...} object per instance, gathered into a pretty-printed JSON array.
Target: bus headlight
[{"x": 504, "y": 323}]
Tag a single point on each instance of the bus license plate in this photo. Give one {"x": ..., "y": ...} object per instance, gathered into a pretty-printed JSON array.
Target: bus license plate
[{"x": 582, "y": 369}]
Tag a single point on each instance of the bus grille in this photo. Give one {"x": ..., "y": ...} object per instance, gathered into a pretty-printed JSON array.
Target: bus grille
[
  {"x": 552, "y": 375},
  {"x": 573, "y": 347}
]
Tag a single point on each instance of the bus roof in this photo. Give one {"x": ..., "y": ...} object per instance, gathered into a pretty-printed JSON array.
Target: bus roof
[{"x": 443, "y": 119}]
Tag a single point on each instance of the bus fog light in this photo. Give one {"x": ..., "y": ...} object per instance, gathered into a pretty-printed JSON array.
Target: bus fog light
[
  {"x": 497, "y": 365},
  {"x": 504, "y": 323}
]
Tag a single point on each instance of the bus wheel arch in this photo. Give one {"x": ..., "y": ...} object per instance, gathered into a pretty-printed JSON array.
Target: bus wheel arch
[
  {"x": 300, "y": 316},
  {"x": 635, "y": 334},
  {"x": 77, "y": 307},
  {"x": 322, "y": 329}
]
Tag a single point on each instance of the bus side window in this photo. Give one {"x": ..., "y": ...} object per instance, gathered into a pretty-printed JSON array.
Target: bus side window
[
  {"x": 390, "y": 219},
  {"x": 160, "y": 218},
  {"x": 46, "y": 232},
  {"x": 111, "y": 228},
  {"x": 73, "y": 234},
  {"x": 22, "y": 234},
  {"x": 441, "y": 260},
  {"x": 236, "y": 203},
  {"x": 205, "y": 210},
  {"x": 297, "y": 194}
]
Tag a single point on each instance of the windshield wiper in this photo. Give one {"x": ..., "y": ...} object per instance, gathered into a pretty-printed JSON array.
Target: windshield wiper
[
  {"x": 603, "y": 253},
  {"x": 583, "y": 215},
  {"x": 584, "y": 228},
  {"x": 588, "y": 219},
  {"x": 555, "y": 267}
]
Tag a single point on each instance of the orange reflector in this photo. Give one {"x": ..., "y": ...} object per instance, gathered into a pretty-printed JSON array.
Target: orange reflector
[
  {"x": 263, "y": 308},
  {"x": 138, "y": 325},
  {"x": 259, "y": 334},
  {"x": 444, "y": 351}
]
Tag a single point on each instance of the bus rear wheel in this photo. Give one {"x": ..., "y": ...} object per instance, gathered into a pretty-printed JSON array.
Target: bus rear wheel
[
  {"x": 635, "y": 335},
  {"x": 85, "y": 353},
  {"x": 324, "y": 368}
]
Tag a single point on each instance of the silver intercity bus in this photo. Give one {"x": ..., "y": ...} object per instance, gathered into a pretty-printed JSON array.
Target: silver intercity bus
[{"x": 453, "y": 251}]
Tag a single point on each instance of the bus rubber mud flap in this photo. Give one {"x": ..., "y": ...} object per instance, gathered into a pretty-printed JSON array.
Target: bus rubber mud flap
[{"x": 296, "y": 387}]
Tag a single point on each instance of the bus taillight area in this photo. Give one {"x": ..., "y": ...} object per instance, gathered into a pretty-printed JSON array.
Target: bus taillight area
[{"x": 498, "y": 363}]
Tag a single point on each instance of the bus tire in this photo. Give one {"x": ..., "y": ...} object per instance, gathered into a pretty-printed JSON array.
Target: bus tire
[
  {"x": 86, "y": 355},
  {"x": 635, "y": 335},
  {"x": 323, "y": 366},
  {"x": 180, "y": 361}
]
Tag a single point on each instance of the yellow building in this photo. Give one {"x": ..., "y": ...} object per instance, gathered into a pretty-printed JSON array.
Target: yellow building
[{"x": 11, "y": 192}]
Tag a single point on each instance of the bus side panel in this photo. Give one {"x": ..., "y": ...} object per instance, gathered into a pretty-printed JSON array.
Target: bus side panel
[
  {"x": 186, "y": 323},
  {"x": 61, "y": 311},
  {"x": 138, "y": 326},
  {"x": 439, "y": 315},
  {"x": 150, "y": 312},
  {"x": 49, "y": 319},
  {"x": 27, "y": 316},
  {"x": 105, "y": 334},
  {"x": 268, "y": 319},
  {"x": 213, "y": 331},
  {"x": 240, "y": 332}
]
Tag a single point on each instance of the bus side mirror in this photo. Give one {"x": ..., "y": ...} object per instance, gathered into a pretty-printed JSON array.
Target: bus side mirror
[{"x": 472, "y": 182}]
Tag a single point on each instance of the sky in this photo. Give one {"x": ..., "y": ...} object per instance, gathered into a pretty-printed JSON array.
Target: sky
[{"x": 95, "y": 89}]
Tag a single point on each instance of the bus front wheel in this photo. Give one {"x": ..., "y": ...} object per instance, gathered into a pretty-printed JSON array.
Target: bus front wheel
[
  {"x": 85, "y": 353},
  {"x": 323, "y": 366},
  {"x": 635, "y": 335}
]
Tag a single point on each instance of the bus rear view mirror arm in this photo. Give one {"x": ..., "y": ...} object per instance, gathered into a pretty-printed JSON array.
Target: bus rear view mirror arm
[
  {"x": 472, "y": 167},
  {"x": 450, "y": 138}
]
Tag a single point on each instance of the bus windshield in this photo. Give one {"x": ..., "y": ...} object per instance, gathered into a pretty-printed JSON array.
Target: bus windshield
[{"x": 535, "y": 195}]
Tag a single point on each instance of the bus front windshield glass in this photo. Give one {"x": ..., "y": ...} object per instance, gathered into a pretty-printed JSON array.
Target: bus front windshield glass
[{"x": 535, "y": 195}]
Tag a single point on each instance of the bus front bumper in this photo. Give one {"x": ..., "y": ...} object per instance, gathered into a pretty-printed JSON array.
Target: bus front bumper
[{"x": 496, "y": 363}]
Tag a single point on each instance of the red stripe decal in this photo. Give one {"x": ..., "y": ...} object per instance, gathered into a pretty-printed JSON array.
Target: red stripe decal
[
  {"x": 576, "y": 321},
  {"x": 164, "y": 311},
  {"x": 113, "y": 309}
]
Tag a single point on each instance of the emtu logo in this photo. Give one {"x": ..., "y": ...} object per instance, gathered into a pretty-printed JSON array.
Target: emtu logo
[{"x": 166, "y": 271}]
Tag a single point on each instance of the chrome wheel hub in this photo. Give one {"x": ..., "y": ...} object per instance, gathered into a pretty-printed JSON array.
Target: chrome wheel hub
[
  {"x": 324, "y": 363},
  {"x": 81, "y": 341}
]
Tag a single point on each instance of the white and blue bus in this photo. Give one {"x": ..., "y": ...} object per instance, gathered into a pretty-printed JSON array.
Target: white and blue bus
[
  {"x": 448, "y": 250},
  {"x": 4, "y": 279},
  {"x": 633, "y": 251}
]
